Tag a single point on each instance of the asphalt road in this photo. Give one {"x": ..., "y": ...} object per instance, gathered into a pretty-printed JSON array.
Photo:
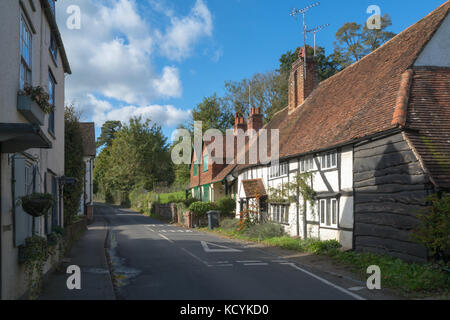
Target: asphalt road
[{"x": 153, "y": 260}]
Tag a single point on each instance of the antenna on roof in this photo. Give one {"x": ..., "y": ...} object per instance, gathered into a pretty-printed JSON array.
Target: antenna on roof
[
  {"x": 295, "y": 12},
  {"x": 315, "y": 30}
]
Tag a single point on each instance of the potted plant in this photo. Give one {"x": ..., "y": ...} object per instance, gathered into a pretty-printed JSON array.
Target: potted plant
[
  {"x": 37, "y": 204},
  {"x": 34, "y": 104}
]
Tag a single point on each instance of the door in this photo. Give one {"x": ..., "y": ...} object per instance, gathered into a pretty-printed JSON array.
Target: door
[{"x": 23, "y": 185}]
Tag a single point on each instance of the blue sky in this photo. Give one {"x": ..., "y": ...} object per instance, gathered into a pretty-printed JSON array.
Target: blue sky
[{"x": 159, "y": 58}]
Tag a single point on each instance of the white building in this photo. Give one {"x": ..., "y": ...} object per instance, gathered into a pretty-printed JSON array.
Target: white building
[
  {"x": 375, "y": 138},
  {"x": 89, "y": 153}
]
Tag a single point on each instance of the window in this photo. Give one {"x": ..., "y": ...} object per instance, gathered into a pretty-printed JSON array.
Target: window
[
  {"x": 205, "y": 163},
  {"x": 51, "y": 100},
  {"x": 245, "y": 176},
  {"x": 278, "y": 170},
  {"x": 307, "y": 164},
  {"x": 205, "y": 193},
  {"x": 53, "y": 48},
  {"x": 196, "y": 193},
  {"x": 279, "y": 213},
  {"x": 328, "y": 209},
  {"x": 25, "y": 53},
  {"x": 195, "y": 168},
  {"x": 328, "y": 160}
]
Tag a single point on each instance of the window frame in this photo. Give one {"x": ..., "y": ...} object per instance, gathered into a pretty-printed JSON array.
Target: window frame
[
  {"x": 279, "y": 213},
  {"x": 52, "y": 98},
  {"x": 279, "y": 170},
  {"x": 326, "y": 160},
  {"x": 328, "y": 209},
  {"x": 195, "y": 164},
  {"x": 205, "y": 161},
  {"x": 53, "y": 48},
  {"x": 25, "y": 48}
]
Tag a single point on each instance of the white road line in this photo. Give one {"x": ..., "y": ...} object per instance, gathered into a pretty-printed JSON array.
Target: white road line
[
  {"x": 195, "y": 257},
  {"x": 256, "y": 264},
  {"x": 150, "y": 229},
  {"x": 206, "y": 248},
  {"x": 249, "y": 261},
  {"x": 220, "y": 265},
  {"x": 164, "y": 237},
  {"x": 354, "y": 295}
]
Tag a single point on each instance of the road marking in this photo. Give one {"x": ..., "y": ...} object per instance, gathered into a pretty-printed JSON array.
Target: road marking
[
  {"x": 195, "y": 257},
  {"x": 249, "y": 261},
  {"x": 280, "y": 261},
  {"x": 164, "y": 237},
  {"x": 220, "y": 265},
  {"x": 256, "y": 264},
  {"x": 354, "y": 295},
  {"x": 356, "y": 288},
  {"x": 206, "y": 247}
]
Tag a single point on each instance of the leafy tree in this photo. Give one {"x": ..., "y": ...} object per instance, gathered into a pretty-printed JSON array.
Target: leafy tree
[
  {"x": 213, "y": 114},
  {"x": 353, "y": 41},
  {"x": 74, "y": 165},
  {"x": 109, "y": 131}
]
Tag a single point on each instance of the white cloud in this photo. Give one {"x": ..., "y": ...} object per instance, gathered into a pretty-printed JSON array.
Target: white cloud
[
  {"x": 112, "y": 56},
  {"x": 184, "y": 32},
  {"x": 166, "y": 115}
]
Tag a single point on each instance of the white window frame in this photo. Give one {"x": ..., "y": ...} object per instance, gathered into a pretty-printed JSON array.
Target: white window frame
[
  {"x": 279, "y": 170},
  {"x": 306, "y": 164},
  {"x": 26, "y": 53},
  {"x": 328, "y": 160},
  {"x": 328, "y": 212},
  {"x": 279, "y": 213}
]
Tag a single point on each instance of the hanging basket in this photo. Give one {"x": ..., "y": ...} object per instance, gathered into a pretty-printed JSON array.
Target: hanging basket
[{"x": 37, "y": 204}]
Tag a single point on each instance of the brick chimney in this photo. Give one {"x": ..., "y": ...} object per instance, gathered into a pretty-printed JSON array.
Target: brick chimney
[
  {"x": 300, "y": 87},
  {"x": 239, "y": 123},
  {"x": 255, "y": 120}
]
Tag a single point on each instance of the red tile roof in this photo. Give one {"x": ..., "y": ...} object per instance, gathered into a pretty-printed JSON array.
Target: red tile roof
[
  {"x": 429, "y": 116},
  {"x": 364, "y": 99},
  {"x": 254, "y": 188}
]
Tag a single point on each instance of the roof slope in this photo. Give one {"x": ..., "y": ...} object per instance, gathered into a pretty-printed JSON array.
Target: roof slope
[
  {"x": 360, "y": 100},
  {"x": 88, "y": 136},
  {"x": 429, "y": 116}
]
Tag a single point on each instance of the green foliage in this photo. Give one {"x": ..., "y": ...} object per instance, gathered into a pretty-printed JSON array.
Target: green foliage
[
  {"x": 109, "y": 131},
  {"x": 40, "y": 96},
  {"x": 190, "y": 201},
  {"x": 353, "y": 41},
  {"x": 35, "y": 254},
  {"x": 264, "y": 231},
  {"x": 139, "y": 199},
  {"x": 74, "y": 165},
  {"x": 138, "y": 156},
  {"x": 200, "y": 208},
  {"x": 229, "y": 224},
  {"x": 433, "y": 230},
  {"x": 37, "y": 204},
  {"x": 226, "y": 206},
  {"x": 213, "y": 114}
]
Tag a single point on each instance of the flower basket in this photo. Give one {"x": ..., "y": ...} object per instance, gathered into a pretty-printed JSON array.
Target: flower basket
[{"x": 37, "y": 204}]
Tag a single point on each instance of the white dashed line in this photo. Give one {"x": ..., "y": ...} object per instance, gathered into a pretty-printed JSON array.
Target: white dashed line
[
  {"x": 256, "y": 264},
  {"x": 164, "y": 237},
  {"x": 249, "y": 261}
]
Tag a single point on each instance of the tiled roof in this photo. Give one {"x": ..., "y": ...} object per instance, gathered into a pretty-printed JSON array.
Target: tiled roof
[
  {"x": 88, "y": 136},
  {"x": 429, "y": 116},
  {"x": 254, "y": 188},
  {"x": 364, "y": 99}
]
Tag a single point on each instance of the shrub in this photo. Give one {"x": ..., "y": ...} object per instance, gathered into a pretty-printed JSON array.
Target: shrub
[
  {"x": 138, "y": 199},
  {"x": 187, "y": 202},
  {"x": 323, "y": 247},
  {"x": 264, "y": 231},
  {"x": 433, "y": 230},
  {"x": 229, "y": 224},
  {"x": 227, "y": 207},
  {"x": 200, "y": 208}
]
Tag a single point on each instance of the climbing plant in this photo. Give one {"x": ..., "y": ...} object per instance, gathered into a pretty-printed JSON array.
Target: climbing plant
[
  {"x": 35, "y": 253},
  {"x": 251, "y": 215}
]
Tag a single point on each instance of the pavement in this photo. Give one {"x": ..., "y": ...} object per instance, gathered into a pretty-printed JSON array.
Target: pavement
[{"x": 146, "y": 259}]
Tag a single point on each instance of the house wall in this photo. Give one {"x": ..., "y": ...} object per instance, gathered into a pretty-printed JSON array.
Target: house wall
[
  {"x": 436, "y": 52},
  {"x": 390, "y": 190},
  {"x": 49, "y": 162},
  {"x": 335, "y": 183}
]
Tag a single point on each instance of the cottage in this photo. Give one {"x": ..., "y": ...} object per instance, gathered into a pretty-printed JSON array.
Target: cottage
[
  {"x": 374, "y": 140},
  {"x": 31, "y": 141}
]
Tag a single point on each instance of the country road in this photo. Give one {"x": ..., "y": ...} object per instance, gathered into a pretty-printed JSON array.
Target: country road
[
  {"x": 127, "y": 256},
  {"x": 153, "y": 260}
]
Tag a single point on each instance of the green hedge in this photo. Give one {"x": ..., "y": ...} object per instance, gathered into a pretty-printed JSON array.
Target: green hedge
[{"x": 200, "y": 208}]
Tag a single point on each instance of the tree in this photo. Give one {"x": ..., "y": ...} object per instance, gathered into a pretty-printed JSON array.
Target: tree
[
  {"x": 109, "y": 131},
  {"x": 74, "y": 165},
  {"x": 353, "y": 41},
  {"x": 213, "y": 114}
]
